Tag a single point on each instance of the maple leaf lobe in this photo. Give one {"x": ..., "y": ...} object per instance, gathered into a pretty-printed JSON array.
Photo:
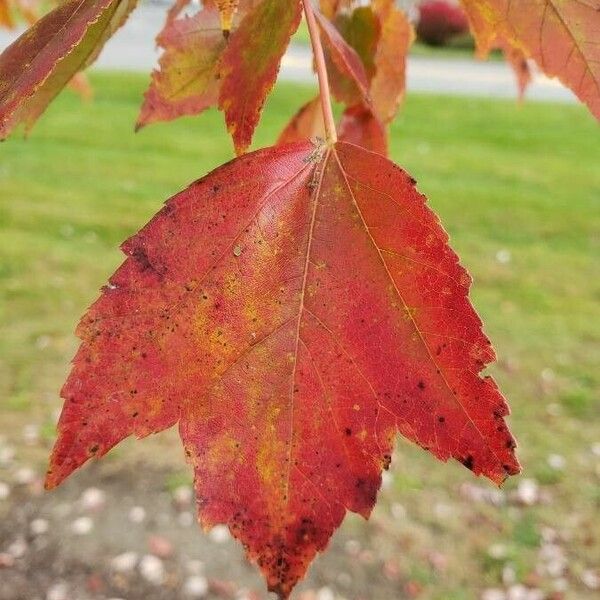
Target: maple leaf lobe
[
  {"x": 292, "y": 311},
  {"x": 560, "y": 35}
]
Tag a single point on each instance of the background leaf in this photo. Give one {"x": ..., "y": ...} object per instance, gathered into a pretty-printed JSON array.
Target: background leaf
[
  {"x": 560, "y": 35},
  {"x": 36, "y": 67}
]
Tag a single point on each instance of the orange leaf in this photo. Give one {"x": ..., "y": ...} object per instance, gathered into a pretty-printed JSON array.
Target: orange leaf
[
  {"x": 518, "y": 61},
  {"x": 560, "y": 35},
  {"x": 188, "y": 79},
  {"x": 6, "y": 19},
  {"x": 200, "y": 68},
  {"x": 306, "y": 124},
  {"x": 292, "y": 311},
  {"x": 35, "y": 68},
  {"x": 389, "y": 83}
]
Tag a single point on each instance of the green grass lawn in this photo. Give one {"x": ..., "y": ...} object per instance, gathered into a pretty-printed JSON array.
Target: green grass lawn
[{"x": 517, "y": 182}]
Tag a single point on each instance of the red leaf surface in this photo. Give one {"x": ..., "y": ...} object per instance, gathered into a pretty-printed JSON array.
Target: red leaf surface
[
  {"x": 36, "y": 67},
  {"x": 291, "y": 311},
  {"x": 351, "y": 85},
  {"x": 200, "y": 68},
  {"x": 560, "y": 35},
  {"x": 359, "y": 126}
]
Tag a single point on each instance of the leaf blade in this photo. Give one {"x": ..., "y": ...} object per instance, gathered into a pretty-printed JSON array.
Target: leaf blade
[
  {"x": 291, "y": 311},
  {"x": 250, "y": 64},
  {"x": 35, "y": 68},
  {"x": 560, "y": 35}
]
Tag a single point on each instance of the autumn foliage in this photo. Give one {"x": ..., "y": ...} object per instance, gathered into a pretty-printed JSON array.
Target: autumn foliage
[{"x": 295, "y": 309}]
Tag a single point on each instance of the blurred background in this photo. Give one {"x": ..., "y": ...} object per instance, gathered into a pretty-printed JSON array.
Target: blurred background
[{"x": 517, "y": 185}]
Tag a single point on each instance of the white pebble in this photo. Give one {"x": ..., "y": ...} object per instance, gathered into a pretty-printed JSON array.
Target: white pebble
[
  {"x": 195, "y": 586},
  {"x": 219, "y": 534},
  {"x": 528, "y": 492},
  {"x": 183, "y": 495},
  {"x": 517, "y": 592},
  {"x": 561, "y": 584},
  {"x": 43, "y": 341},
  {"x": 557, "y": 462},
  {"x": 548, "y": 375},
  {"x": 556, "y": 567},
  {"x": 137, "y": 514},
  {"x": 39, "y": 526},
  {"x": 24, "y": 476},
  {"x": 18, "y": 548},
  {"x": 503, "y": 256},
  {"x": 591, "y": 579},
  {"x": 82, "y": 526},
  {"x": 497, "y": 551},
  {"x": 7, "y": 454},
  {"x": 387, "y": 479},
  {"x": 480, "y": 494},
  {"x": 58, "y": 591},
  {"x": 325, "y": 593},
  {"x": 443, "y": 511},
  {"x": 124, "y": 563},
  {"x": 398, "y": 511},
  {"x": 596, "y": 449},
  {"x": 92, "y": 499},
  {"x": 152, "y": 569},
  {"x": 352, "y": 547},
  {"x": 31, "y": 434},
  {"x": 4, "y": 490}
]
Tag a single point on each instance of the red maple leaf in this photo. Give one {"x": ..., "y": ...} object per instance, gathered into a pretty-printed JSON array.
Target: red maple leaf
[{"x": 291, "y": 311}]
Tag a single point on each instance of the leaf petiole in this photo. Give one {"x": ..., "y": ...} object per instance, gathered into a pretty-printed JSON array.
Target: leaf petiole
[{"x": 315, "y": 39}]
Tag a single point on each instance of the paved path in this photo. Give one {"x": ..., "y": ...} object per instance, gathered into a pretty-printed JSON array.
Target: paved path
[{"x": 133, "y": 48}]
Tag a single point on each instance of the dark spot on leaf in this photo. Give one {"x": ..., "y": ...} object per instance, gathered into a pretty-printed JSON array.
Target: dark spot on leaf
[{"x": 468, "y": 462}]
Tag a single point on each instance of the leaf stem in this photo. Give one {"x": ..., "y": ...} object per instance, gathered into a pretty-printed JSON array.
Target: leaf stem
[{"x": 315, "y": 40}]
